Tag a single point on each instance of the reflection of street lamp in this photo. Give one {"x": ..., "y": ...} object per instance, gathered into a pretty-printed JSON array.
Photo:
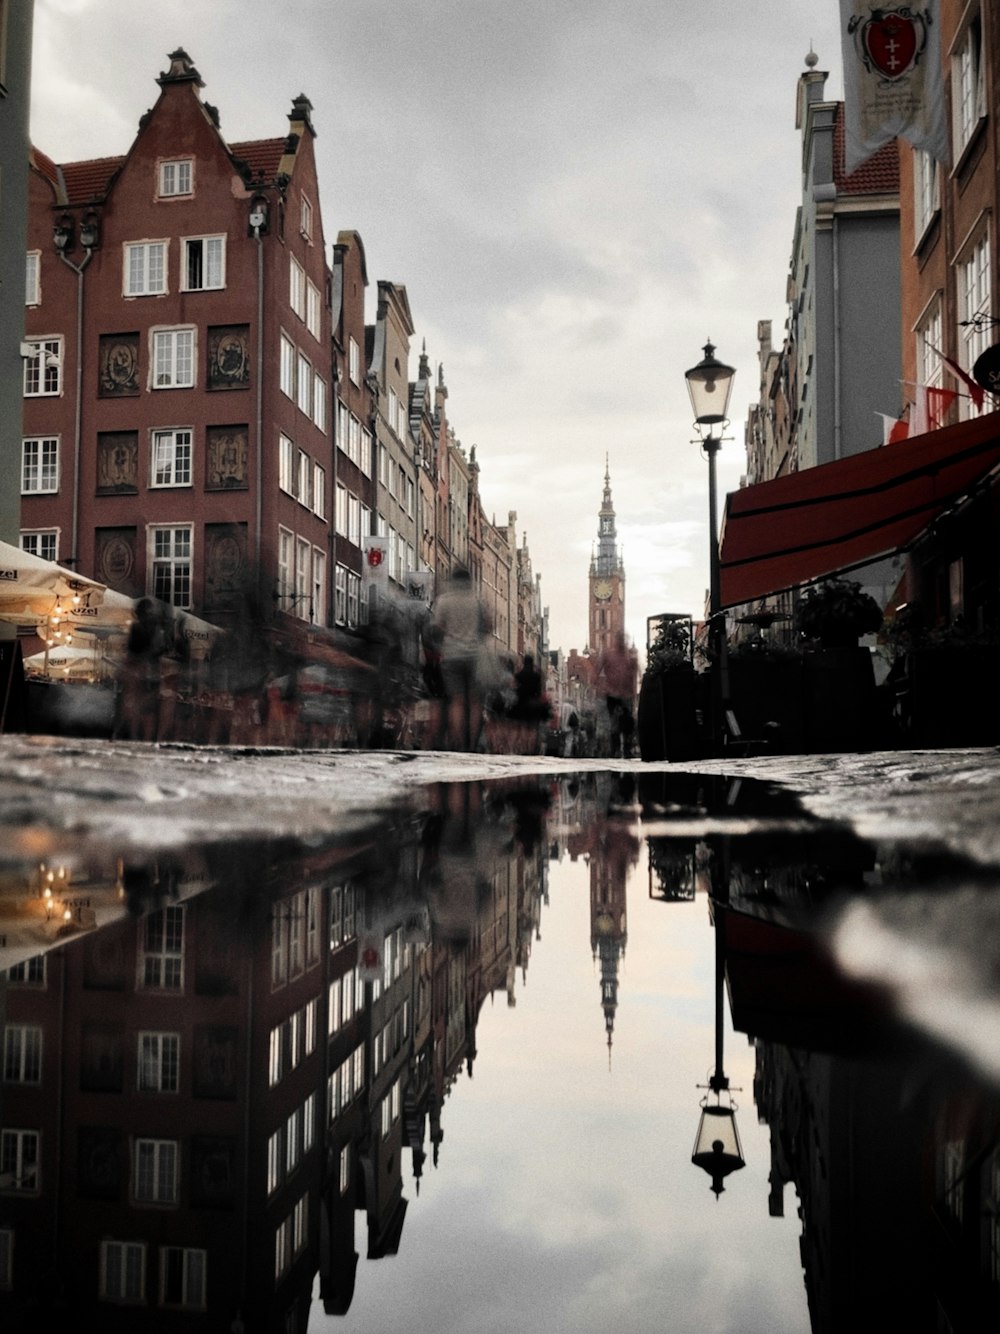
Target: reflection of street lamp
[
  {"x": 717, "y": 1146},
  {"x": 709, "y": 385}
]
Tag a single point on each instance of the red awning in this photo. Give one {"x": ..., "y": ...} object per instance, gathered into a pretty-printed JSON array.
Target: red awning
[{"x": 809, "y": 524}]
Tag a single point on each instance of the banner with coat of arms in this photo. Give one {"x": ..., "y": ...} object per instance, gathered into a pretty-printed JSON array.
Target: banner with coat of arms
[
  {"x": 375, "y": 562},
  {"x": 892, "y": 79}
]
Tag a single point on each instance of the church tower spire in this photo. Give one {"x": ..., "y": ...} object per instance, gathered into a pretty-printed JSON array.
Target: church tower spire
[{"x": 607, "y": 577}]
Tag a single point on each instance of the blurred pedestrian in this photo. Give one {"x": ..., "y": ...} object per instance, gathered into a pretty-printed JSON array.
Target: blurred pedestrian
[
  {"x": 461, "y": 622},
  {"x": 618, "y": 673}
]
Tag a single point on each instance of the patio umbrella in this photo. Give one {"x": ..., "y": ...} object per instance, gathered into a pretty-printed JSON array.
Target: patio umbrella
[{"x": 34, "y": 590}]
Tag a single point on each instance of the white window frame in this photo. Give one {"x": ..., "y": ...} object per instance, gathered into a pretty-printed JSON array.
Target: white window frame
[
  {"x": 286, "y": 464},
  {"x": 155, "y": 1171},
  {"x": 319, "y": 491},
  {"x": 287, "y": 366},
  {"x": 39, "y": 465},
  {"x": 340, "y": 511},
  {"x": 40, "y": 542},
  {"x": 303, "y": 479},
  {"x": 366, "y": 451},
  {"x": 171, "y": 457},
  {"x": 340, "y": 593},
  {"x": 176, "y": 178},
  {"x": 286, "y": 548},
  {"x": 930, "y": 342},
  {"x": 303, "y": 383},
  {"x": 300, "y": 1225},
  {"x": 22, "y": 1167},
  {"x": 43, "y": 367},
  {"x": 354, "y": 440},
  {"x": 33, "y": 278},
  {"x": 22, "y": 1054},
  {"x": 974, "y": 282},
  {"x": 173, "y": 559},
  {"x": 303, "y": 552},
  {"x": 926, "y": 192},
  {"x": 968, "y": 82},
  {"x": 159, "y": 1062},
  {"x": 193, "y": 1283},
  {"x": 161, "y": 949},
  {"x": 144, "y": 268},
  {"x": 296, "y": 287},
  {"x": 313, "y": 308},
  {"x": 130, "y": 1288},
  {"x": 173, "y": 357},
  {"x": 212, "y": 262},
  {"x": 353, "y": 519},
  {"x": 306, "y": 218},
  {"x": 353, "y": 598},
  {"x": 319, "y": 402},
  {"x": 318, "y": 586},
  {"x": 354, "y": 361}
]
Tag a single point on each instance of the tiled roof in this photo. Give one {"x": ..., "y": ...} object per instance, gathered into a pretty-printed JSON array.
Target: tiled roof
[
  {"x": 87, "y": 181},
  {"x": 879, "y": 175},
  {"x": 44, "y": 164},
  {"x": 262, "y": 156}
]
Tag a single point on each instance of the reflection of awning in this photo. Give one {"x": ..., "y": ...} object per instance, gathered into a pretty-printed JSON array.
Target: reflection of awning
[{"x": 840, "y": 515}]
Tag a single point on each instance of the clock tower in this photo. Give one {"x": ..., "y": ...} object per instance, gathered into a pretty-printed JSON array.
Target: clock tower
[{"x": 607, "y": 579}]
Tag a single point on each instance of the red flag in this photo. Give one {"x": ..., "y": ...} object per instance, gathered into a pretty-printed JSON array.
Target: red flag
[
  {"x": 938, "y": 402},
  {"x": 976, "y": 391}
]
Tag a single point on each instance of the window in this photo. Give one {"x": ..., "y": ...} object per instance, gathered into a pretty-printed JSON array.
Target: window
[
  {"x": 173, "y": 358},
  {"x": 182, "y": 1277},
  {"x": 318, "y": 586},
  {"x": 366, "y": 452},
  {"x": 286, "y": 452},
  {"x": 161, "y": 957},
  {"x": 176, "y": 178},
  {"x": 926, "y": 192},
  {"x": 282, "y": 1248},
  {"x": 929, "y": 346},
  {"x": 123, "y": 1271},
  {"x": 155, "y": 1171},
  {"x": 309, "y": 1123},
  {"x": 300, "y": 1225},
  {"x": 304, "y": 385},
  {"x": 146, "y": 268},
  {"x": 19, "y": 1160},
  {"x": 296, "y": 287},
  {"x": 29, "y": 972},
  {"x": 340, "y": 593},
  {"x": 43, "y": 368},
  {"x": 354, "y": 440},
  {"x": 292, "y": 1142},
  {"x": 275, "y": 1159},
  {"x": 41, "y": 542},
  {"x": 171, "y": 565},
  {"x": 304, "y": 479},
  {"x": 340, "y": 511},
  {"x": 354, "y": 361},
  {"x": 22, "y": 1054},
  {"x": 967, "y": 84},
  {"x": 284, "y": 565},
  {"x": 312, "y": 308},
  {"x": 309, "y": 1017},
  {"x": 345, "y": 1169},
  {"x": 33, "y": 279},
  {"x": 353, "y": 595},
  {"x": 204, "y": 263},
  {"x": 319, "y": 402},
  {"x": 39, "y": 465},
  {"x": 287, "y": 366},
  {"x": 171, "y": 458},
  {"x": 342, "y": 428},
  {"x": 159, "y": 1062},
  {"x": 974, "y": 285},
  {"x": 319, "y": 491},
  {"x": 302, "y": 579},
  {"x": 354, "y": 520},
  {"x": 383, "y": 465},
  {"x": 275, "y": 1064},
  {"x": 393, "y": 419},
  {"x": 306, "y": 218}
]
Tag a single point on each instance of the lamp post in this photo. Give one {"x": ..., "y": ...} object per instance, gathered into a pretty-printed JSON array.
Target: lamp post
[
  {"x": 709, "y": 385},
  {"x": 717, "y": 1149}
]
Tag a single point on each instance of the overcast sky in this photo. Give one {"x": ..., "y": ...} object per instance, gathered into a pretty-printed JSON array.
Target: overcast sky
[{"x": 575, "y": 196}]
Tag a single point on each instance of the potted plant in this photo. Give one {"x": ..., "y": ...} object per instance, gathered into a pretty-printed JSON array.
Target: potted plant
[
  {"x": 841, "y": 703},
  {"x": 837, "y": 613},
  {"x": 667, "y": 722}
]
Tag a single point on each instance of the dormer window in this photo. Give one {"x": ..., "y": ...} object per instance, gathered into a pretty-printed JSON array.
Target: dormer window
[{"x": 176, "y": 178}]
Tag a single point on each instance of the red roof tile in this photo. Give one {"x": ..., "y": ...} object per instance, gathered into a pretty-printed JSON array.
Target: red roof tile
[
  {"x": 879, "y": 175},
  {"x": 44, "y": 164},
  {"x": 87, "y": 181},
  {"x": 262, "y": 156}
]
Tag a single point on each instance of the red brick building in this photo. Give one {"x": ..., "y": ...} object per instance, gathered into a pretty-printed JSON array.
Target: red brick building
[{"x": 177, "y": 413}]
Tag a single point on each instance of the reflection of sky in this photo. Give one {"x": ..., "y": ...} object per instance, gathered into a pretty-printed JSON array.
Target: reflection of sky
[{"x": 565, "y": 1200}]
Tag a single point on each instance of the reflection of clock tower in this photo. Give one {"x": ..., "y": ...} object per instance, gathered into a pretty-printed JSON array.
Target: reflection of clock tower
[
  {"x": 607, "y": 579},
  {"x": 609, "y": 861}
]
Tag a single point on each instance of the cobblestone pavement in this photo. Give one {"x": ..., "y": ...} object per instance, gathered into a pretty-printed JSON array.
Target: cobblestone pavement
[{"x": 140, "y": 791}]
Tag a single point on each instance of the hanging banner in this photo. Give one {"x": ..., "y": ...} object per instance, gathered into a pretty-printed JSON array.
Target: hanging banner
[
  {"x": 375, "y": 562},
  {"x": 892, "y": 79},
  {"x": 419, "y": 585}
]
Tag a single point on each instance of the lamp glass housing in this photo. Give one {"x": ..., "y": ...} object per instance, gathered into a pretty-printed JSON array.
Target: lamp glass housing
[
  {"x": 709, "y": 385},
  {"x": 717, "y": 1148}
]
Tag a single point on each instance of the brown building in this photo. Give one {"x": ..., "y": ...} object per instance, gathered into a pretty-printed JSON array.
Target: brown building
[{"x": 177, "y": 424}]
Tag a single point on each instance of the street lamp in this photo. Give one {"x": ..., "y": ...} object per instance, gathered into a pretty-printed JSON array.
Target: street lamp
[{"x": 709, "y": 385}]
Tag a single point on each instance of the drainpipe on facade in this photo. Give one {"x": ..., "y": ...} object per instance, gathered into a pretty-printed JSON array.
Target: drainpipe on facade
[
  {"x": 259, "y": 506},
  {"x": 837, "y": 425}
]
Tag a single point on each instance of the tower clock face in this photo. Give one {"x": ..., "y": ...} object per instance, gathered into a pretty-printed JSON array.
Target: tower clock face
[{"x": 603, "y": 591}]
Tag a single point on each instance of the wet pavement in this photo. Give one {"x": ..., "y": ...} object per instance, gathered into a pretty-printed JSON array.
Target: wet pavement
[{"x": 421, "y": 1042}]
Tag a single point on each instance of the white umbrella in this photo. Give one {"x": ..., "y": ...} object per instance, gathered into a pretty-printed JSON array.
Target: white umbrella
[
  {"x": 32, "y": 589},
  {"x": 74, "y": 662}
]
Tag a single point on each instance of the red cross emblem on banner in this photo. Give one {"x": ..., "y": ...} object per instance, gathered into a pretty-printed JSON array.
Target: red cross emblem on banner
[{"x": 893, "y": 40}]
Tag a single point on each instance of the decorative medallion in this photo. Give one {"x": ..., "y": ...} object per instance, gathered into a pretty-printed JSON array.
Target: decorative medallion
[
  {"x": 226, "y": 453},
  {"x": 118, "y": 365},
  {"x": 229, "y": 356}
]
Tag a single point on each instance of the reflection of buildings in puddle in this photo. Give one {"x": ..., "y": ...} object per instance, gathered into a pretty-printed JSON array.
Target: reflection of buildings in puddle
[{"x": 250, "y": 1062}]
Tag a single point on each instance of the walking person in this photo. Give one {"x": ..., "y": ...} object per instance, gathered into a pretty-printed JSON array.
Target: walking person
[
  {"x": 461, "y": 623},
  {"x": 619, "y": 674}
]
